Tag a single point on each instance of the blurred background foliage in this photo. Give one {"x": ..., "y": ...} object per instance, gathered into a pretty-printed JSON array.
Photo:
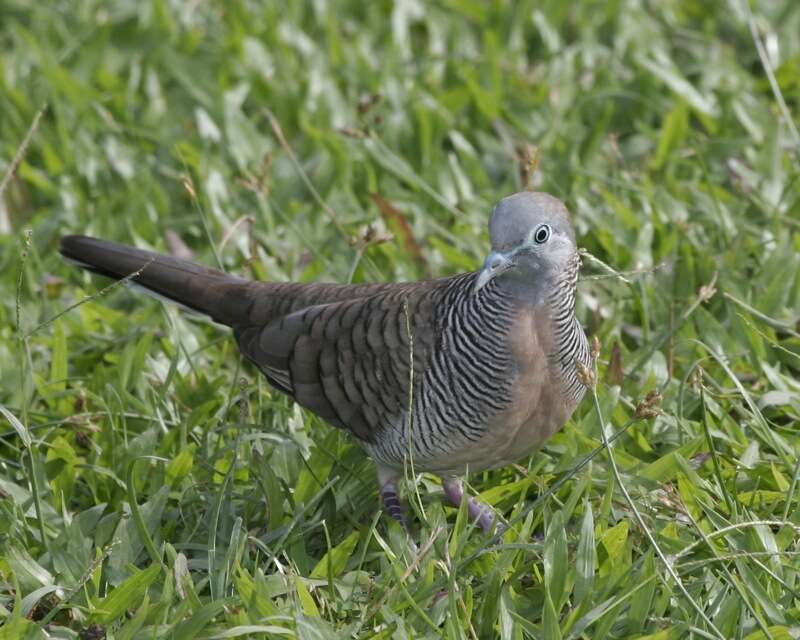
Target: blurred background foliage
[{"x": 151, "y": 484}]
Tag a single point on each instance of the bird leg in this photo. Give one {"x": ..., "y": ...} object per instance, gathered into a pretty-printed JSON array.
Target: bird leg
[
  {"x": 391, "y": 502},
  {"x": 478, "y": 512},
  {"x": 391, "y": 498}
]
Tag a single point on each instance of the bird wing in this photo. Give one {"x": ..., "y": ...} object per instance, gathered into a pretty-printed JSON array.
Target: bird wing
[{"x": 348, "y": 361}]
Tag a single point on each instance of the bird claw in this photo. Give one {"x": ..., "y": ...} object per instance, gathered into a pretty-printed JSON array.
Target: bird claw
[{"x": 481, "y": 513}]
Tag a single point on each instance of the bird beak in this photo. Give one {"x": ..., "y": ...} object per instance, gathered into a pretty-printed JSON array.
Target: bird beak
[{"x": 495, "y": 264}]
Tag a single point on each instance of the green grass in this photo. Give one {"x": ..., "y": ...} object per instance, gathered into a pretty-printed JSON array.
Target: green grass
[{"x": 152, "y": 485}]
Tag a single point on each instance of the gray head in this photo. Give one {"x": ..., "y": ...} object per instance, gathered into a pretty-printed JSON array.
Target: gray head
[{"x": 532, "y": 241}]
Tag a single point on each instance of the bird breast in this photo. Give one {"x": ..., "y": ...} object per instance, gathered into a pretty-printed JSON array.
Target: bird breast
[
  {"x": 538, "y": 406},
  {"x": 535, "y": 408}
]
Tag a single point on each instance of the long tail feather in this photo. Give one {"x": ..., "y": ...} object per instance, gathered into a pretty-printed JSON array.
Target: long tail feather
[{"x": 209, "y": 291}]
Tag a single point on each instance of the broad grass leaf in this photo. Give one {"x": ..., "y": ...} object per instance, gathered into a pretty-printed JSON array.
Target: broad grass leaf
[
  {"x": 129, "y": 595},
  {"x": 585, "y": 558},
  {"x": 490, "y": 606},
  {"x": 661, "y": 66},
  {"x": 335, "y": 560},
  {"x": 131, "y": 628},
  {"x": 642, "y": 600},
  {"x": 676, "y": 632},
  {"x": 133, "y": 358},
  {"x": 120, "y": 157},
  {"x": 73, "y": 551},
  {"x": 509, "y": 629},
  {"x": 556, "y": 566},
  {"x": 130, "y": 543},
  {"x": 728, "y": 615},
  {"x": 778, "y": 399},
  {"x": 752, "y": 583},
  {"x": 254, "y": 594},
  {"x": 315, "y": 474},
  {"x": 688, "y": 492},
  {"x": 776, "y": 632},
  {"x": 192, "y": 628},
  {"x": 751, "y": 455},
  {"x": 667, "y": 467},
  {"x": 58, "y": 362},
  {"x": 181, "y": 465},
  {"x": 597, "y": 613},
  {"x": 272, "y": 489},
  {"x": 245, "y": 143},
  {"x": 22, "y": 432},
  {"x": 485, "y": 100},
  {"x": 307, "y": 604},
  {"x": 29, "y": 573},
  {"x": 315, "y": 628},
  {"x": 550, "y": 626},
  {"x": 779, "y": 269},
  {"x": 61, "y": 465},
  {"x": 180, "y": 570},
  {"x": 30, "y": 601},
  {"x": 673, "y": 133},
  {"x": 614, "y": 544},
  {"x": 780, "y": 479}
]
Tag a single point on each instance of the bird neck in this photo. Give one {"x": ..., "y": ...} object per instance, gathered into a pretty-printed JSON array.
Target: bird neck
[
  {"x": 570, "y": 344},
  {"x": 562, "y": 293}
]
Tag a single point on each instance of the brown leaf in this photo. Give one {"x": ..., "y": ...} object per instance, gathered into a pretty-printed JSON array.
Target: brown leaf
[
  {"x": 400, "y": 225},
  {"x": 614, "y": 375},
  {"x": 528, "y": 163},
  {"x": 177, "y": 247}
]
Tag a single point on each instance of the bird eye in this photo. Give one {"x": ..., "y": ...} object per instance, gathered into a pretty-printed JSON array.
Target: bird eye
[{"x": 542, "y": 234}]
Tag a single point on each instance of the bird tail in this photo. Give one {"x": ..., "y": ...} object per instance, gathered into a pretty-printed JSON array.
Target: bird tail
[{"x": 215, "y": 293}]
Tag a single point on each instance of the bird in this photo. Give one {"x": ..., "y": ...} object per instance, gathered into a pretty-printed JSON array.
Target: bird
[{"x": 457, "y": 374}]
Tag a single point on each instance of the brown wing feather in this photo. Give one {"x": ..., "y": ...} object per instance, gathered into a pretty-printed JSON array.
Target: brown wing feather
[{"x": 348, "y": 361}]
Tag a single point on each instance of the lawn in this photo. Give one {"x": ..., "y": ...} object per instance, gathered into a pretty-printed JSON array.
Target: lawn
[{"x": 151, "y": 483}]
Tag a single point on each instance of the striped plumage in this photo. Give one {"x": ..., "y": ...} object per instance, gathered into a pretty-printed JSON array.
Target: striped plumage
[
  {"x": 570, "y": 338},
  {"x": 485, "y": 361},
  {"x": 462, "y": 382}
]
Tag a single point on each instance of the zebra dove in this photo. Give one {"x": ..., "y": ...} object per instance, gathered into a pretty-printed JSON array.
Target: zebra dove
[{"x": 460, "y": 373}]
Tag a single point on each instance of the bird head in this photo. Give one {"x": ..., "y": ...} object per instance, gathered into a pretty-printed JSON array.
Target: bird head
[{"x": 532, "y": 241}]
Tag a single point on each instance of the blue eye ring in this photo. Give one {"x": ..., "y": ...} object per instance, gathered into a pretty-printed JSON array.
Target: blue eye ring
[{"x": 542, "y": 234}]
